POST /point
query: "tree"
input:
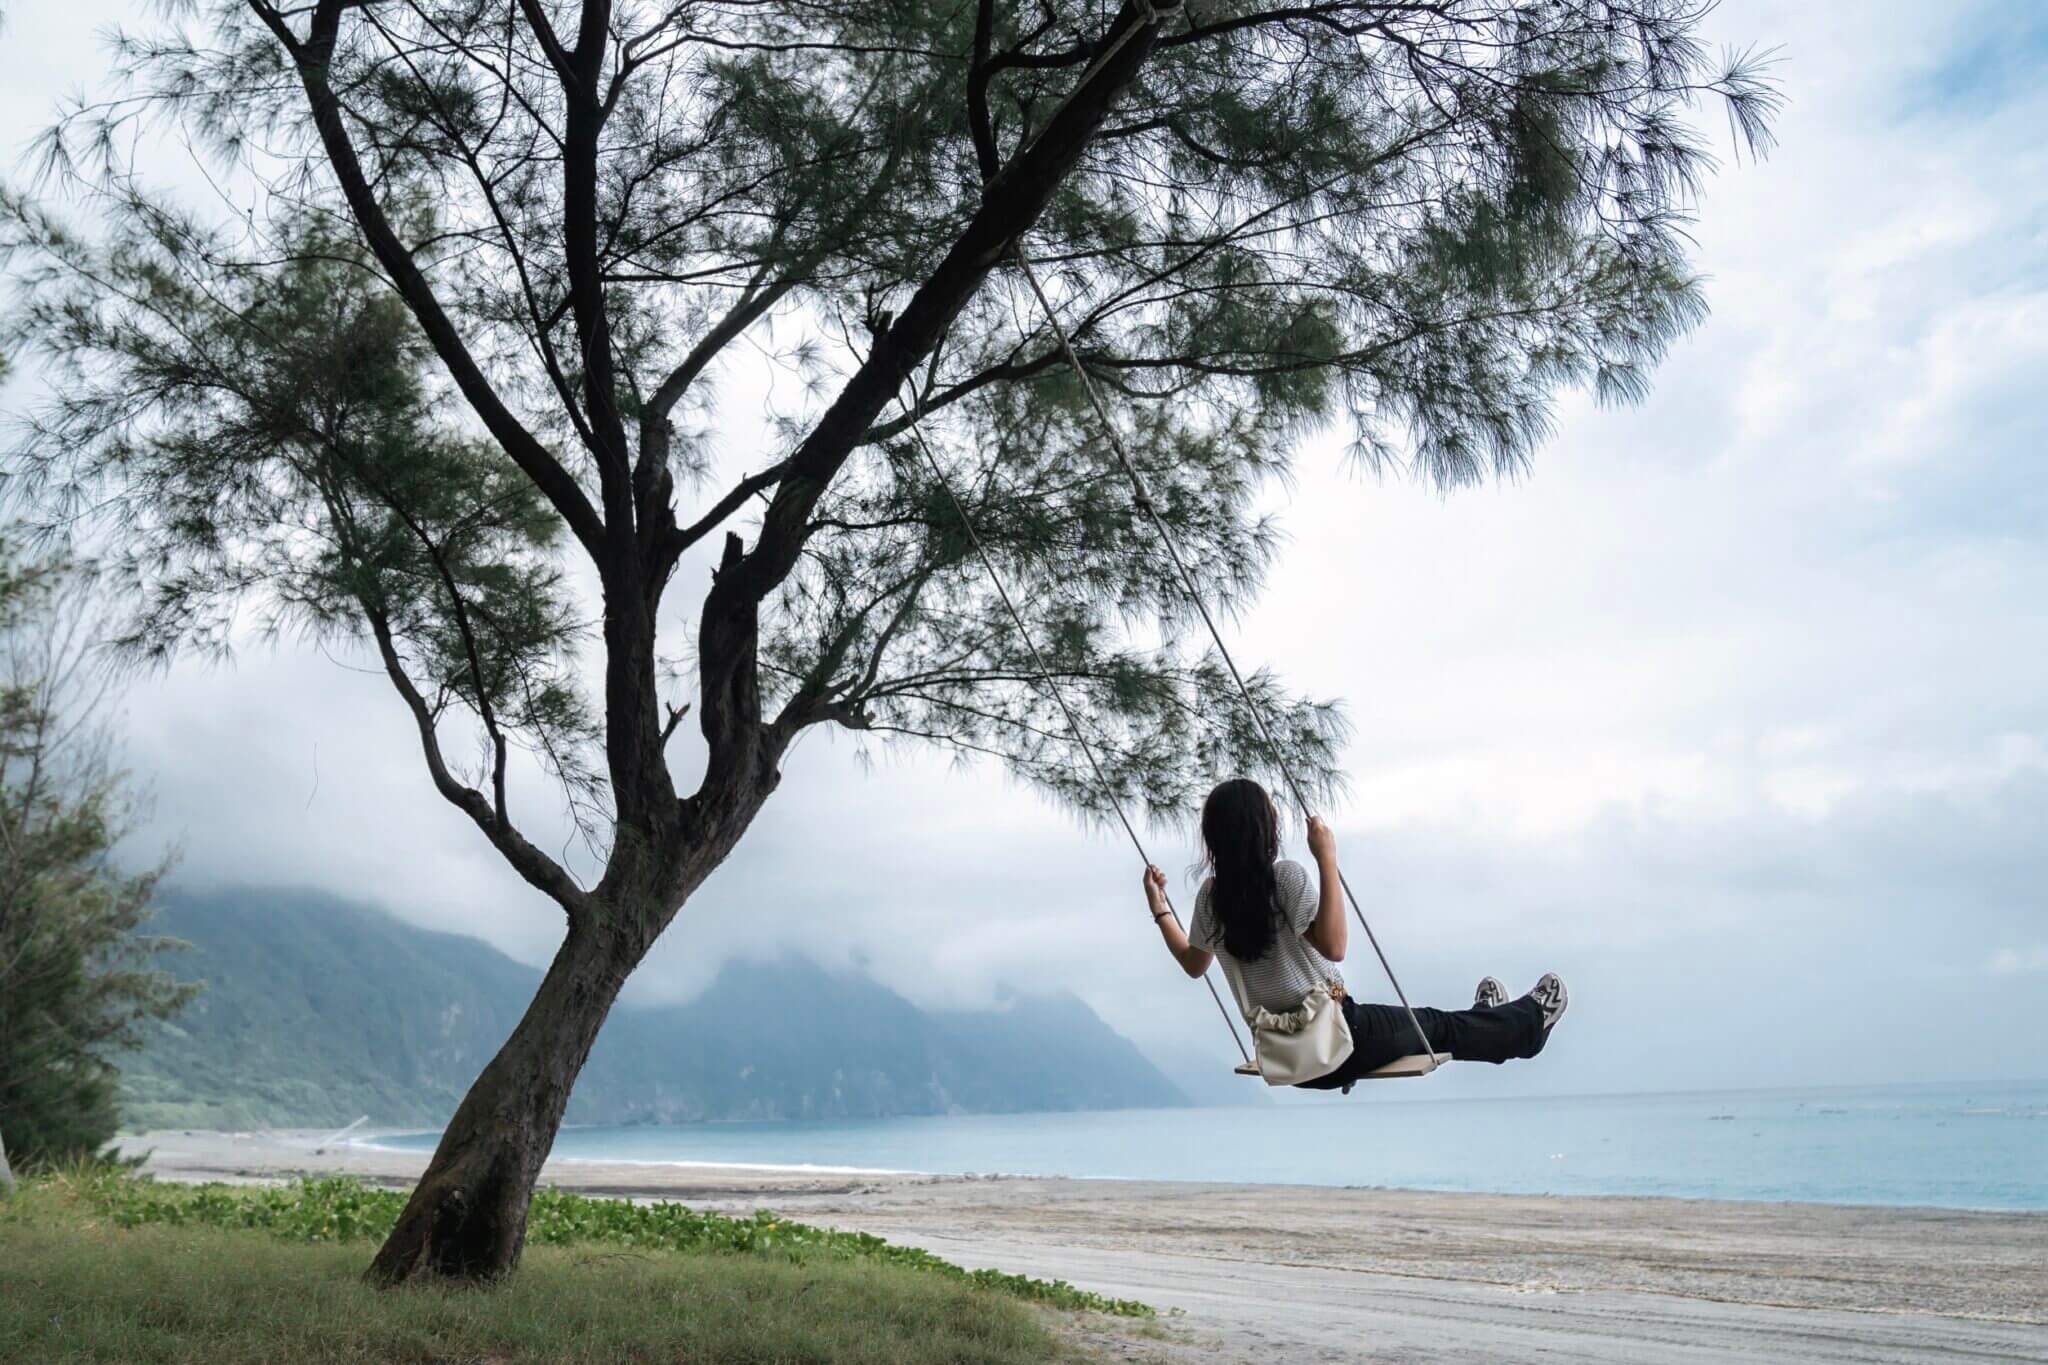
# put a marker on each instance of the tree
(6, 1171)
(76, 976)
(509, 252)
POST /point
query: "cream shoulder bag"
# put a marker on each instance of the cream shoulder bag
(1307, 1042)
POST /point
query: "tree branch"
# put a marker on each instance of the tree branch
(746, 488)
(582, 125)
(540, 871)
(742, 316)
(311, 58)
(979, 122)
(728, 632)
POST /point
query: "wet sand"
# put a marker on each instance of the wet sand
(1277, 1274)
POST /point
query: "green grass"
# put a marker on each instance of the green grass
(339, 1209)
(94, 1268)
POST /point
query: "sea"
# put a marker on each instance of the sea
(1951, 1145)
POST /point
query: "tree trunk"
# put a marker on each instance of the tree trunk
(6, 1174)
(467, 1217)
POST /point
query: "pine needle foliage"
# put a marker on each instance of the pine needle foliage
(1420, 222)
(78, 976)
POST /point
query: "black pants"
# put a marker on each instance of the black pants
(1381, 1033)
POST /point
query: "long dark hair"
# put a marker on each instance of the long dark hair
(1241, 838)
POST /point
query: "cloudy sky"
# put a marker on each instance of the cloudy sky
(1735, 711)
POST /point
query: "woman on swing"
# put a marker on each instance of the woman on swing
(1281, 931)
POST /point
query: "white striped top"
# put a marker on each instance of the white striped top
(1292, 967)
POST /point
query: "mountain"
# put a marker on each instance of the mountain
(317, 1011)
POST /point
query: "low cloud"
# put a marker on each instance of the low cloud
(2019, 961)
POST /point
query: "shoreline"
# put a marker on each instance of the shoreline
(790, 1168)
(1314, 1273)
(369, 1142)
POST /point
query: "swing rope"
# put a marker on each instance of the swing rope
(1143, 497)
(1146, 17)
(1052, 688)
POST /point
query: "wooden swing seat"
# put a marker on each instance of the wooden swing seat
(1415, 1064)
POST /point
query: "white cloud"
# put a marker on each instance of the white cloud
(2019, 961)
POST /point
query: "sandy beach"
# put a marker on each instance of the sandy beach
(1278, 1273)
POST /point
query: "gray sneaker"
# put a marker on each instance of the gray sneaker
(1550, 993)
(1491, 995)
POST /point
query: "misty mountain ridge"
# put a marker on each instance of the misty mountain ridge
(318, 1011)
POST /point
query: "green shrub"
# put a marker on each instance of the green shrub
(77, 1290)
(343, 1209)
